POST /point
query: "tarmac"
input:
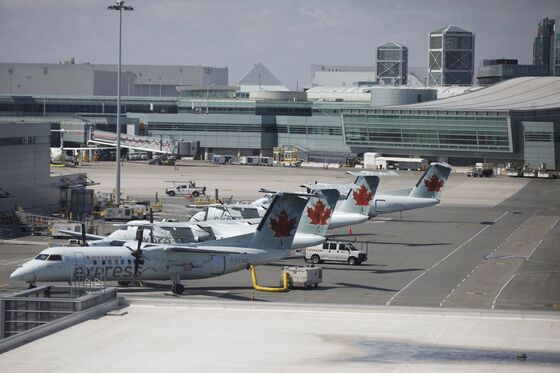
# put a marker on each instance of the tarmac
(488, 255)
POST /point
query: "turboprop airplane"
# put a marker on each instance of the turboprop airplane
(310, 231)
(353, 209)
(229, 212)
(137, 261)
(427, 191)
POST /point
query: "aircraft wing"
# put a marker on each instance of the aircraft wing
(372, 173)
(91, 237)
(211, 250)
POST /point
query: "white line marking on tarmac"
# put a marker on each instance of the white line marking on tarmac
(553, 225)
(441, 260)
(534, 248)
(481, 263)
(502, 289)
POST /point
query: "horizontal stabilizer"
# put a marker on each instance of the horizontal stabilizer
(373, 173)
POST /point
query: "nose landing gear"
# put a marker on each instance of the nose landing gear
(177, 289)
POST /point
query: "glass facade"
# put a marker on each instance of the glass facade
(441, 131)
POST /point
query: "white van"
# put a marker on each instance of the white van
(266, 161)
(249, 160)
(336, 251)
(222, 159)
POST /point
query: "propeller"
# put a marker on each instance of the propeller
(137, 254)
(84, 243)
(152, 228)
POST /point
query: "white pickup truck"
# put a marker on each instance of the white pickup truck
(336, 251)
(185, 189)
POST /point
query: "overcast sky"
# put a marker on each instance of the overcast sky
(287, 36)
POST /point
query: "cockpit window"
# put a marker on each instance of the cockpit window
(42, 256)
(55, 257)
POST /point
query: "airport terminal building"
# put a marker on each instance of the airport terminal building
(513, 121)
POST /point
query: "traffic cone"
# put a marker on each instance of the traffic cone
(350, 231)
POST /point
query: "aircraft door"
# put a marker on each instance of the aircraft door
(380, 205)
(218, 264)
(79, 268)
(80, 258)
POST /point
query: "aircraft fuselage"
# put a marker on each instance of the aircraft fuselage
(66, 264)
(385, 204)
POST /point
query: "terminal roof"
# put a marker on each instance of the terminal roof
(527, 93)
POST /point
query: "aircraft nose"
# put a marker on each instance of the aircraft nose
(22, 274)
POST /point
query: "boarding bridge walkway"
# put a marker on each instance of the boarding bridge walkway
(159, 145)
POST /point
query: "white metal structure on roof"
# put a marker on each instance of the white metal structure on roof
(527, 93)
(450, 28)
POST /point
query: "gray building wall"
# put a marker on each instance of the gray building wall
(541, 144)
(496, 73)
(25, 170)
(401, 96)
(61, 79)
(89, 79)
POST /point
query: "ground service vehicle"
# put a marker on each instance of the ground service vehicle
(185, 189)
(481, 170)
(335, 251)
(249, 160)
(303, 277)
(222, 159)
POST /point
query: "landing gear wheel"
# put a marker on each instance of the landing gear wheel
(178, 289)
(315, 259)
(31, 285)
(124, 283)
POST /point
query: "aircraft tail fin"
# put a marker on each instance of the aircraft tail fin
(431, 184)
(318, 212)
(278, 226)
(360, 196)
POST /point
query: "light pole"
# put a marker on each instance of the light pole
(45, 72)
(11, 72)
(120, 7)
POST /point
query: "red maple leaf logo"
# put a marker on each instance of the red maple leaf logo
(362, 196)
(434, 184)
(283, 225)
(318, 214)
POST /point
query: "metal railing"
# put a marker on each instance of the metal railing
(31, 308)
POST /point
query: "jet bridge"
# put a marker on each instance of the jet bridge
(161, 145)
